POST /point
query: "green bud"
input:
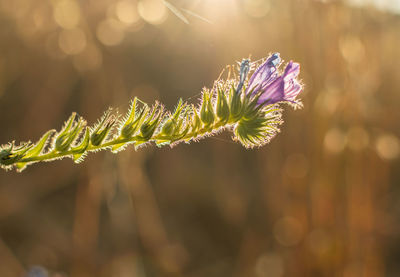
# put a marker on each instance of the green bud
(150, 125)
(168, 127)
(11, 156)
(195, 122)
(66, 137)
(83, 145)
(222, 107)
(98, 137)
(131, 126)
(102, 129)
(79, 150)
(206, 111)
(236, 106)
(179, 108)
(7, 158)
(180, 133)
(62, 142)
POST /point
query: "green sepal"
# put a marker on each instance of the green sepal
(36, 150)
(168, 127)
(183, 133)
(150, 125)
(131, 126)
(195, 122)
(222, 108)
(97, 138)
(174, 122)
(236, 106)
(79, 150)
(40, 145)
(206, 110)
(133, 120)
(102, 129)
(65, 139)
(258, 130)
(10, 156)
(132, 112)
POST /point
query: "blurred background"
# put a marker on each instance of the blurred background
(322, 199)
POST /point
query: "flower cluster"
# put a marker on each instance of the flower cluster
(275, 87)
(249, 107)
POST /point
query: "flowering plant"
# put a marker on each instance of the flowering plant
(247, 106)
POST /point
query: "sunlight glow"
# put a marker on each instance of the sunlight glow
(384, 5)
(152, 11)
(126, 11)
(257, 8)
(67, 14)
(388, 147)
(109, 32)
(72, 41)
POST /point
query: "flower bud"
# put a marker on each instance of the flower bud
(131, 126)
(206, 112)
(11, 156)
(62, 140)
(195, 121)
(236, 107)
(222, 107)
(149, 126)
(84, 143)
(98, 137)
(168, 127)
(244, 71)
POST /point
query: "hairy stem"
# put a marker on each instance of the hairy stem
(244, 107)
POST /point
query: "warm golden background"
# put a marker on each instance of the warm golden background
(322, 199)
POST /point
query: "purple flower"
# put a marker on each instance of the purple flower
(273, 86)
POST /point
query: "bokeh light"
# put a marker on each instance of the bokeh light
(72, 41)
(126, 11)
(152, 11)
(269, 265)
(357, 138)
(89, 59)
(352, 49)
(288, 231)
(388, 146)
(110, 32)
(67, 13)
(335, 140)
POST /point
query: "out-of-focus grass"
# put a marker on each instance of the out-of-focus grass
(320, 200)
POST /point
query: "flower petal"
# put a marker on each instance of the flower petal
(292, 89)
(283, 88)
(273, 92)
(292, 70)
(264, 74)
